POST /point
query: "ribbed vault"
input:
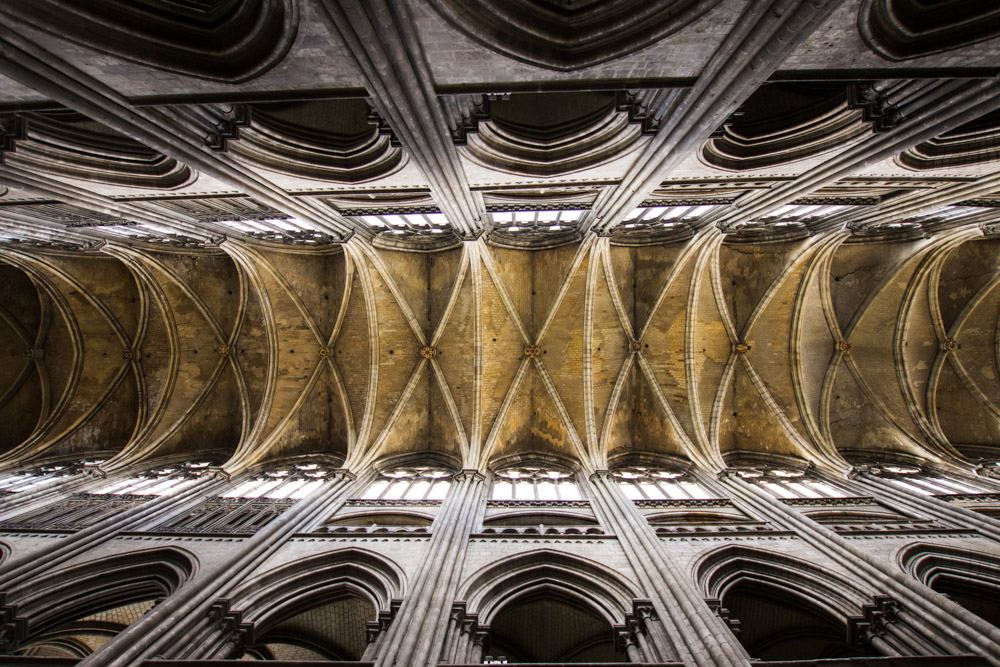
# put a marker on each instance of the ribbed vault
(709, 352)
(584, 232)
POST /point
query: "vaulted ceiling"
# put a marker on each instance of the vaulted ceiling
(718, 235)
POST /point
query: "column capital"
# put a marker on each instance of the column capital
(342, 474)
(875, 619)
(857, 471)
(469, 474)
(217, 472)
(625, 635)
(644, 610)
(989, 470)
(231, 623)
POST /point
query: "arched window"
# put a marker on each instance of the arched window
(320, 607)
(784, 608)
(786, 483)
(414, 483)
(969, 578)
(547, 626)
(74, 612)
(534, 483)
(334, 631)
(916, 479)
(552, 607)
(775, 625)
(252, 503)
(639, 483)
(84, 509)
(156, 482)
(27, 480)
(289, 482)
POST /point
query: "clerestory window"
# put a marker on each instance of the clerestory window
(786, 483)
(639, 483)
(156, 482)
(534, 483)
(252, 503)
(26, 480)
(290, 482)
(412, 483)
(917, 480)
(85, 509)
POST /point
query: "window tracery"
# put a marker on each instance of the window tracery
(640, 483)
(27, 480)
(412, 483)
(292, 482)
(416, 229)
(84, 509)
(156, 482)
(790, 484)
(534, 483)
(254, 502)
(916, 479)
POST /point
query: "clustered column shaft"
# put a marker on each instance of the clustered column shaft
(416, 637)
(693, 633)
(166, 626)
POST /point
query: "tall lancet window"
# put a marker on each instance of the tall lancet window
(534, 483)
(639, 483)
(410, 483)
(156, 482)
(787, 483)
(925, 482)
(290, 482)
(84, 509)
(33, 478)
(253, 502)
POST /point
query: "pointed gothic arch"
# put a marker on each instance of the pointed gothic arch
(787, 609)
(49, 607)
(969, 578)
(294, 605)
(518, 600)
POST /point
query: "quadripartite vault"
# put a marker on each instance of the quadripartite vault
(710, 352)
(423, 333)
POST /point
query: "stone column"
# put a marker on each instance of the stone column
(457, 639)
(685, 629)
(417, 637)
(221, 633)
(642, 633)
(171, 625)
(382, 38)
(938, 624)
(879, 626)
(466, 641)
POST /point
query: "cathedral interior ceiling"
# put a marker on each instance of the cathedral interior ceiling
(374, 230)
